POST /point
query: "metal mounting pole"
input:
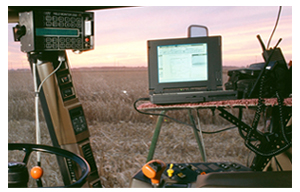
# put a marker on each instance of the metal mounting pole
(198, 139)
(155, 136)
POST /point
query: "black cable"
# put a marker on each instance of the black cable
(282, 126)
(158, 114)
(219, 131)
(278, 164)
(278, 16)
(176, 120)
(283, 132)
(260, 104)
(261, 80)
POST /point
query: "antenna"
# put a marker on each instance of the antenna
(278, 16)
(261, 43)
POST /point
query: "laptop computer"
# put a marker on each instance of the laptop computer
(186, 70)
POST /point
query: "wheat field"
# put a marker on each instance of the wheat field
(120, 136)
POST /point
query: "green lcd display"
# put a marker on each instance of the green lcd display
(56, 32)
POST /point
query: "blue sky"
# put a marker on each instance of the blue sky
(121, 34)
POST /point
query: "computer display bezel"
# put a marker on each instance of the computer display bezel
(214, 60)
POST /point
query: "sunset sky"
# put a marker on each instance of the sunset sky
(121, 34)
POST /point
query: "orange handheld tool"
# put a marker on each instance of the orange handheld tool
(153, 170)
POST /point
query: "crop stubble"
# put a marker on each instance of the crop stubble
(120, 136)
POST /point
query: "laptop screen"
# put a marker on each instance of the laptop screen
(182, 63)
(185, 64)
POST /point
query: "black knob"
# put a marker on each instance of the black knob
(17, 175)
(18, 32)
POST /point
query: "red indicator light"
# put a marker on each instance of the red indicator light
(87, 39)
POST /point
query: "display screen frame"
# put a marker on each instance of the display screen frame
(214, 64)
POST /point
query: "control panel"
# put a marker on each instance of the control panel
(65, 83)
(183, 175)
(55, 31)
(65, 116)
(78, 120)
